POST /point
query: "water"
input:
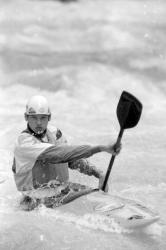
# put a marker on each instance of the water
(81, 56)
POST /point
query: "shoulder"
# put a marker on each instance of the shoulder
(24, 139)
(52, 129)
(55, 131)
(58, 135)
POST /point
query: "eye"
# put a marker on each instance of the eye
(33, 117)
(43, 117)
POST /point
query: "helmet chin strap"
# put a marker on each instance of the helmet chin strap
(39, 135)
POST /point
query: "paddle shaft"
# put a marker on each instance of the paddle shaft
(112, 160)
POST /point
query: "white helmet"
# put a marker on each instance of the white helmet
(37, 105)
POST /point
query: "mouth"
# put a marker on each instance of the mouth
(39, 130)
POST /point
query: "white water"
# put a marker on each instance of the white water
(81, 56)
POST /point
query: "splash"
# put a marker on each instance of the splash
(94, 222)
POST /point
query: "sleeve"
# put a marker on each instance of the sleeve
(29, 147)
(84, 166)
(66, 153)
(27, 150)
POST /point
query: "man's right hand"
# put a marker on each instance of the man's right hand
(112, 149)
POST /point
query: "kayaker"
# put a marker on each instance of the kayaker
(42, 154)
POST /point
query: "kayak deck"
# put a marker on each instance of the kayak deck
(81, 200)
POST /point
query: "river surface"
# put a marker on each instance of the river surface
(81, 55)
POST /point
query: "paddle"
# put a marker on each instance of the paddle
(128, 112)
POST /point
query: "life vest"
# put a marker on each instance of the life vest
(42, 171)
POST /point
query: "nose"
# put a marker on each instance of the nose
(38, 121)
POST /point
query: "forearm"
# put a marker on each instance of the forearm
(66, 153)
(85, 167)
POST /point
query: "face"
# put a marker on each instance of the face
(38, 123)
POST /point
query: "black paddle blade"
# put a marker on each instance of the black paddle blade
(129, 110)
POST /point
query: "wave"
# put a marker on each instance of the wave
(53, 47)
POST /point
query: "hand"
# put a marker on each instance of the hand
(101, 182)
(117, 148)
(112, 149)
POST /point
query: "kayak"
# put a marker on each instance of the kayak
(81, 200)
(126, 213)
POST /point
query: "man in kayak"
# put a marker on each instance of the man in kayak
(42, 156)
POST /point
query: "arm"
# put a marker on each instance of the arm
(65, 153)
(29, 149)
(85, 167)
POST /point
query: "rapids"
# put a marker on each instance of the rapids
(81, 55)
